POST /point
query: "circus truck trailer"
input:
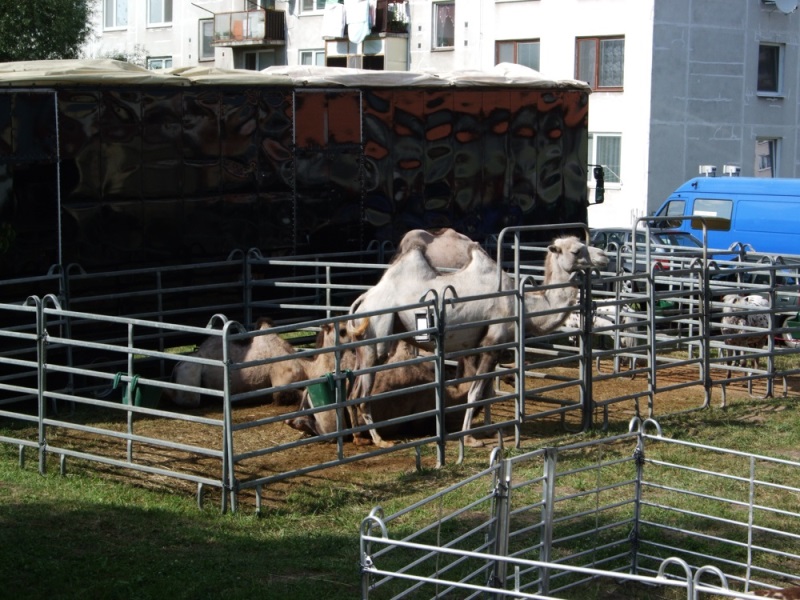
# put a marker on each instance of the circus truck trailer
(110, 166)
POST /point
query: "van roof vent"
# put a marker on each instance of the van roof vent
(708, 170)
(731, 170)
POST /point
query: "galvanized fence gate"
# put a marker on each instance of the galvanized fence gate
(637, 507)
(86, 360)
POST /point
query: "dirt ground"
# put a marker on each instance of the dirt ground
(535, 433)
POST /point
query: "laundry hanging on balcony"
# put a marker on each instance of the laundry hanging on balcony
(333, 20)
(357, 16)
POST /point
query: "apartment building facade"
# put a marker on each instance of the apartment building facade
(676, 83)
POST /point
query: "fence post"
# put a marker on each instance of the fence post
(437, 311)
(501, 511)
(40, 377)
(548, 511)
(228, 471)
(586, 359)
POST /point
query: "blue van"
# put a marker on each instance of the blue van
(764, 213)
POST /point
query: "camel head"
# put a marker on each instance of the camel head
(569, 255)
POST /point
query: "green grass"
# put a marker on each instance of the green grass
(85, 535)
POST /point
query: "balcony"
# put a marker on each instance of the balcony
(257, 27)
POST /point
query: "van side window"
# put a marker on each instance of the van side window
(706, 207)
(674, 208)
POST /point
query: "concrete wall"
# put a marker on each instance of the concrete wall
(705, 109)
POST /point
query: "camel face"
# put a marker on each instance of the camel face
(571, 255)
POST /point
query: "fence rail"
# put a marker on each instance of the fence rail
(658, 332)
(548, 522)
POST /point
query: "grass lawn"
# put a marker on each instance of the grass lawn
(85, 535)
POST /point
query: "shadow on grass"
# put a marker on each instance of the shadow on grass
(88, 550)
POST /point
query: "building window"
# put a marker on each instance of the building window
(766, 157)
(444, 24)
(770, 63)
(312, 57)
(600, 62)
(258, 60)
(521, 53)
(312, 5)
(159, 62)
(159, 12)
(206, 37)
(115, 13)
(605, 149)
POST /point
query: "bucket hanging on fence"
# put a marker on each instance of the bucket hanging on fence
(134, 394)
(323, 394)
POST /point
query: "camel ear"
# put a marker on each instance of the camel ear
(553, 248)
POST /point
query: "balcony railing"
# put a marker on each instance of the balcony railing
(250, 27)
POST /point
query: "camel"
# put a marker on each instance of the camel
(261, 376)
(402, 377)
(411, 276)
(739, 324)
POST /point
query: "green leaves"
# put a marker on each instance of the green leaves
(43, 29)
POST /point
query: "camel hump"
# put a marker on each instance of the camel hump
(264, 323)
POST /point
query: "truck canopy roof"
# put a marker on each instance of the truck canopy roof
(52, 73)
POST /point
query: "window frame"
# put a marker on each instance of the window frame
(713, 207)
(515, 50)
(319, 6)
(163, 6)
(598, 62)
(152, 59)
(435, 28)
(201, 37)
(779, 69)
(612, 178)
(112, 4)
(257, 53)
(315, 54)
(774, 154)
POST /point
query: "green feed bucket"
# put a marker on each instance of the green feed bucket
(794, 327)
(324, 393)
(134, 394)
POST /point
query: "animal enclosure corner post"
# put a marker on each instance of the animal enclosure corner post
(587, 407)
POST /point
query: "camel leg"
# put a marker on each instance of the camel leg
(476, 390)
(363, 413)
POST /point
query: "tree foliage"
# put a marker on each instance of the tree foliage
(43, 29)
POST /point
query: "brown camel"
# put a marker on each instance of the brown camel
(256, 377)
(411, 402)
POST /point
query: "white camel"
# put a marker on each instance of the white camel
(411, 276)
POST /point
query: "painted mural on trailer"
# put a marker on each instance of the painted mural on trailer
(111, 167)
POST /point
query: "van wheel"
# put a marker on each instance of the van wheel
(789, 339)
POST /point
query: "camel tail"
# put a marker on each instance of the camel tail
(357, 332)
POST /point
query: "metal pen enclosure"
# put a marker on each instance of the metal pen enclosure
(109, 166)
